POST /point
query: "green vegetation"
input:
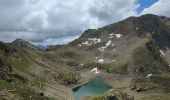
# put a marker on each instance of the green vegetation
(158, 82)
(163, 80)
(147, 60)
(114, 95)
(11, 91)
(108, 67)
(27, 71)
(160, 96)
(67, 78)
(98, 98)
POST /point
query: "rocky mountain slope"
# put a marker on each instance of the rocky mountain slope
(120, 42)
(146, 26)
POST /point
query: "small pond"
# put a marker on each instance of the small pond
(94, 87)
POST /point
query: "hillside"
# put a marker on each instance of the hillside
(49, 73)
(118, 43)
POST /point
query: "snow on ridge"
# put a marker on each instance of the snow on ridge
(90, 41)
(111, 35)
(107, 45)
(95, 40)
(86, 43)
(118, 35)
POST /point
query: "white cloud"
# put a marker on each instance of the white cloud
(52, 41)
(41, 20)
(160, 8)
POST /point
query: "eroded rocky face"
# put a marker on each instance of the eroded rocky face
(5, 70)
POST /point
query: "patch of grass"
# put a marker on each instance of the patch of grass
(114, 95)
(163, 80)
(160, 96)
(160, 82)
(146, 62)
(6, 85)
(109, 67)
(98, 98)
(23, 92)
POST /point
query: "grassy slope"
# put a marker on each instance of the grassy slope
(145, 59)
(52, 71)
(46, 71)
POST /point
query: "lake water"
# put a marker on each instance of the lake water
(94, 87)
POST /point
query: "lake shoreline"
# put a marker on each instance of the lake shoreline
(85, 77)
(94, 87)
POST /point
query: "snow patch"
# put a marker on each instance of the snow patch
(91, 41)
(114, 60)
(95, 40)
(118, 35)
(107, 45)
(87, 43)
(101, 48)
(79, 45)
(162, 52)
(111, 36)
(113, 45)
(137, 28)
(95, 70)
(149, 75)
(114, 49)
(101, 60)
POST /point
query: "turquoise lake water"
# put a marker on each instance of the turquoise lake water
(94, 87)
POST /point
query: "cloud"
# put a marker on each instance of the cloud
(160, 8)
(54, 41)
(41, 20)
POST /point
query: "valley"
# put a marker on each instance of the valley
(131, 56)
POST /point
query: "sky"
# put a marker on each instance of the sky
(51, 22)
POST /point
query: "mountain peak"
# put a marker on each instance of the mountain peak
(145, 26)
(19, 40)
(23, 43)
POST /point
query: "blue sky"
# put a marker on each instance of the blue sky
(144, 4)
